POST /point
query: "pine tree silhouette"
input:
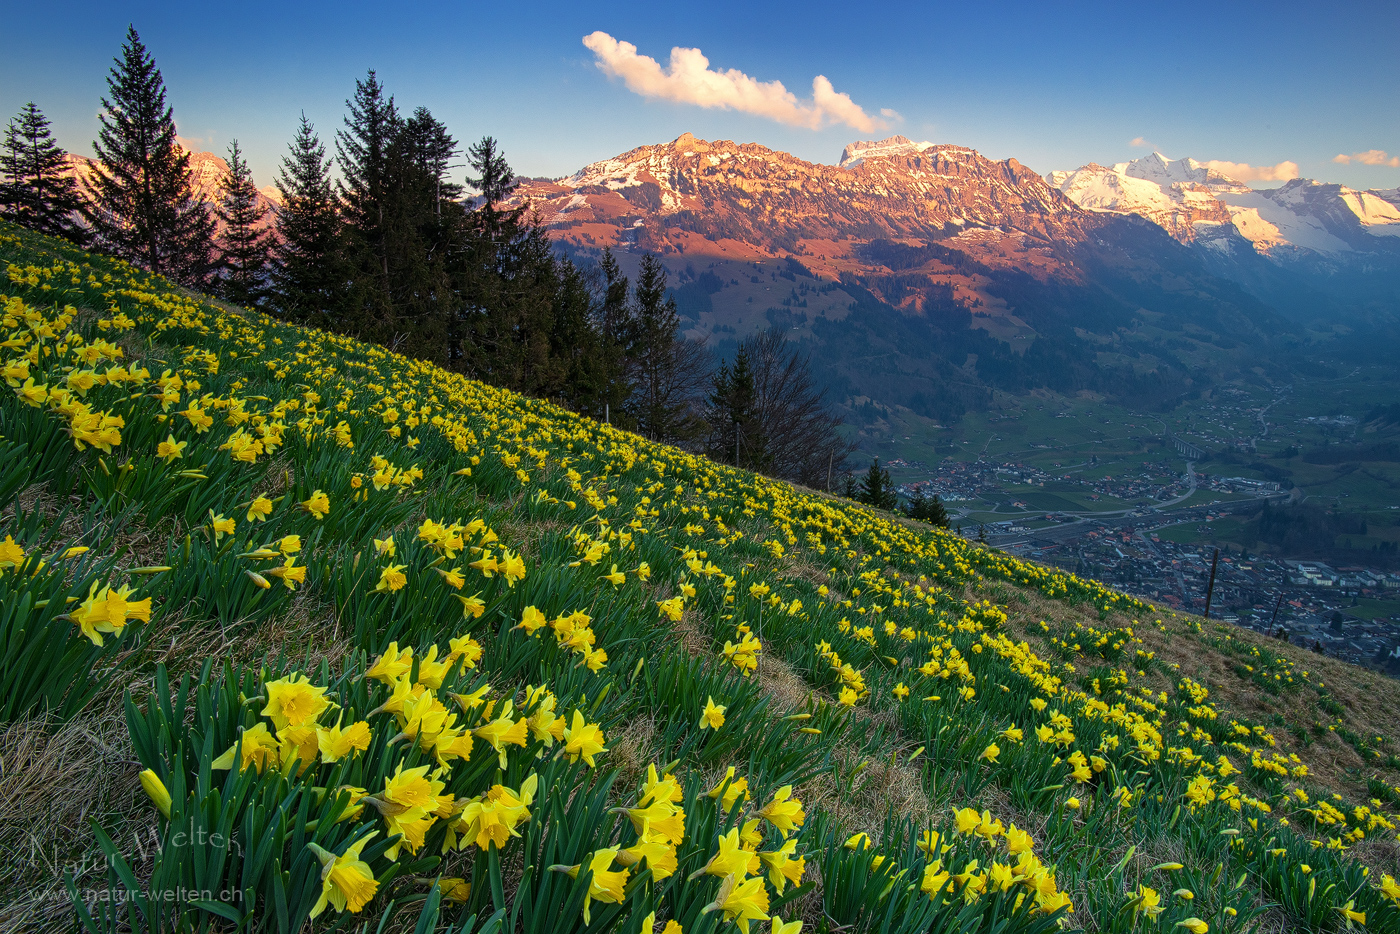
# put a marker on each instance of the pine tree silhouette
(308, 275)
(243, 252)
(34, 191)
(144, 208)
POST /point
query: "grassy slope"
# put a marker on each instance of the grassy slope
(840, 561)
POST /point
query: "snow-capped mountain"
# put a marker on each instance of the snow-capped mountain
(207, 171)
(720, 190)
(916, 273)
(1192, 201)
(1179, 195)
(857, 152)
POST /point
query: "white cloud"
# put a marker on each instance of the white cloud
(1369, 157)
(689, 80)
(1140, 142)
(1244, 172)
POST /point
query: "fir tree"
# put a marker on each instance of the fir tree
(928, 509)
(34, 191)
(431, 148)
(575, 344)
(144, 209)
(668, 371)
(309, 279)
(736, 433)
(613, 321)
(506, 270)
(876, 488)
(936, 513)
(496, 182)
(363, 150)
(243, 252)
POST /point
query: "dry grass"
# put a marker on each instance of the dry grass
(53, 783)
(55, 779)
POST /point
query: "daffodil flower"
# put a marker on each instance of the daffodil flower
(347, 881)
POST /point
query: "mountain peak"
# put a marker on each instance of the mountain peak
(857, 152)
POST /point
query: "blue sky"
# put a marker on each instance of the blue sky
(1055, 88)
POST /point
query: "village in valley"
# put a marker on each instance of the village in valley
(1148, 512)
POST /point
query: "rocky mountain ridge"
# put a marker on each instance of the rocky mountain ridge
(1191, 201)
(207, 170)
(918, 274)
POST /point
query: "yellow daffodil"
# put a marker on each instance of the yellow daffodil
(713, 716)
(170, 449)
(155, 789)
(347, 882)
(583, 740)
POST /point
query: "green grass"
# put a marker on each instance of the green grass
(1370, 608)
(902, 680)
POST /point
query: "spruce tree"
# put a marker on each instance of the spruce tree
(308, 277)
(363, 152)
(243, 251)
(613, 321)
(34, 189)
(574, 344)
(144, 208)
(430, 149)
(736, 431)
(496, 182)
(936, 513)
(667, 371)
(506, 270)
(928, 509)
(876, 489)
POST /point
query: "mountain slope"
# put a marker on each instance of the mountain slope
(644, 704)
(920, 275)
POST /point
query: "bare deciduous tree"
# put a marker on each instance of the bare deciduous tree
(797, 433)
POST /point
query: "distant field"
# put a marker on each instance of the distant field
(1375, 609)
(1224, 531)
(1049, 502)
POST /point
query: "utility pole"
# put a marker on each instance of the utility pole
(1210, 587)
(1274, 618)
(829, 458)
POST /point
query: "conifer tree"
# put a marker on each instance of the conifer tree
(615, 327)
(936, 513)
(144, 208)
(927, 509)
(506, 270)
(574, 343)
(736, 432)
(876, 488)
(423, 227)
(243, 251)
(431, 148)
(496, 182)
(309, 279)
(363, 152)
(34, 190)
(668, 371)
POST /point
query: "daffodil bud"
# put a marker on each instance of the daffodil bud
(157, 792)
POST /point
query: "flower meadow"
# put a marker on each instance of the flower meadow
(567, 680)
